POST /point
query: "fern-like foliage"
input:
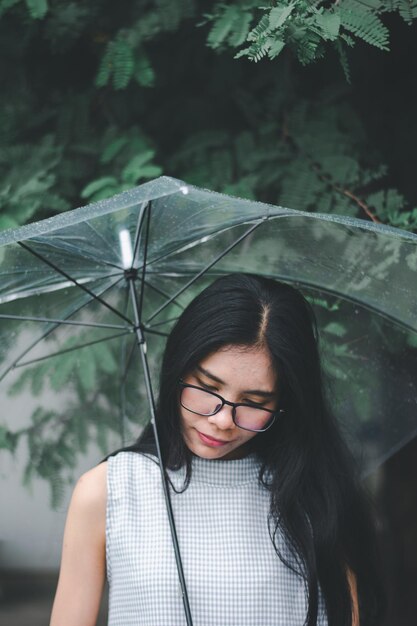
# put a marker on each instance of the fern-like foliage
(389, 205)
(304, 27)
(363, 23)
(125, 161)
(317, 165)
(65, 23)
(125, 57)
(96, 100)
(231, 26)
(91, 379)
(37, 8)
(406, 8)
(144, 73)
(117, 64)
(5, 5)
(30, 185)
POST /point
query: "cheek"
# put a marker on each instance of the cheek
(186, 418)
(247, 435)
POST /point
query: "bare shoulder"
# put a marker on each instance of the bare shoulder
(94, 481)
(90, 492)
(83, 561)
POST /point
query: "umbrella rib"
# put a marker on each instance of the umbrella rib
(155, 332)
(345, 298)
(205, 269)
(139, 230)
(171, 319)
(166, 255)
(122, 397)
(163, 256)
(145, 256)
(27, 318)
(163, 293)
(100, 236)
(49, 331)
(127, 363)
(75, 281)
(124, 365)
(83, 253)
(66, 350)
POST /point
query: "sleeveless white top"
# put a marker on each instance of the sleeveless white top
(233, 574)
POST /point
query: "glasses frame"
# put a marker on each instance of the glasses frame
(234, 406)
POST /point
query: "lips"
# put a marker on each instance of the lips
(213, 438)
(211, 441)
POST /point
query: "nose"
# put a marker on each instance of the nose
(223, 420)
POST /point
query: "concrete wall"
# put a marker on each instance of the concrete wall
(30, 531)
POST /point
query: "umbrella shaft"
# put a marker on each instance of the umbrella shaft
(148, 384)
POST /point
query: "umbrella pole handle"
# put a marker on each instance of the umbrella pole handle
(149, 391)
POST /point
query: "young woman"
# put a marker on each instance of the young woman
(272, 525)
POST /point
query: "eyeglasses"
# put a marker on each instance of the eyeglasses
(207, 403)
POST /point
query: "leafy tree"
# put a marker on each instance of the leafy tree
(262, 100)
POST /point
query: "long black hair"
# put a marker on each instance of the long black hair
(316, 496)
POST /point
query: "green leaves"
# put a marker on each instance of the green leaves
(8, 439)
(329, 25)
(231, 26)
(265, 36)
(117, 64)
(125, 58)
(391, 207)
(296, 24)
(406, 8)
(335, 328)
(28, 183)
(5, 5)
(140, 167)
(100, 188)
(37, 8)
(302, 27)
(71, 366)
(96, 102)
(131, 156)
(144, 73)
(364, 23)
(279, 15)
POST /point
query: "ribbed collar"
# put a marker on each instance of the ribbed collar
(220, 473)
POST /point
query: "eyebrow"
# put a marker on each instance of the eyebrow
(255, 392)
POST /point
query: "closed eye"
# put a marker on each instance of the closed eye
(254, 404)
(205, 386)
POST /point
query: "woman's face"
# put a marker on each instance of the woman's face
(238, 374)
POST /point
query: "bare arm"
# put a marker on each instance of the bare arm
(83, 564)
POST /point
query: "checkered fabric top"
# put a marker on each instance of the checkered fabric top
(233, 574)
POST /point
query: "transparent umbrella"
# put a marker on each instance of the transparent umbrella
(81, 292)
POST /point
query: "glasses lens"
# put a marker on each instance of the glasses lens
(199, 401)
(253, 418)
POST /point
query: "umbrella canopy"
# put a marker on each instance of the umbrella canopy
(64, 287)
(80, 291)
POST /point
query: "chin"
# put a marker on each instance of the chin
(205, 452)
(208, 453)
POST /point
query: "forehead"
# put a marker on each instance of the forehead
(241, 366)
